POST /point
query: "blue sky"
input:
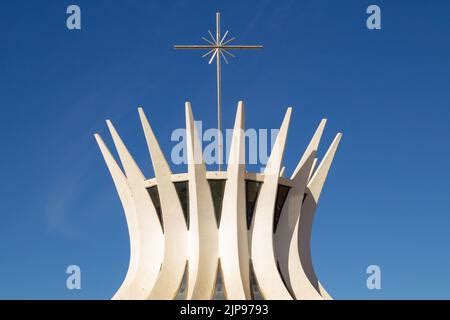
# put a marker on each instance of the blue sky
(386, 201)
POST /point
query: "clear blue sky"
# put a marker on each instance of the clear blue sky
(386, 201)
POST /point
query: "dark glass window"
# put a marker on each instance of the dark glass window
(182, 188)
(251, 194)
(254, 287)
(219, 292)
(304, 198)
(217, 188)
(182, 291)
(154, 195)
(282, 193)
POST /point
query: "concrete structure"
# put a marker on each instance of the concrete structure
(248, 233)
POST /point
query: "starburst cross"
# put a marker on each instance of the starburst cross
(218, 48)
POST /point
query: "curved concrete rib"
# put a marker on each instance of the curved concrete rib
(174, 225)
(312, 147)
(233, 234)
(262, 248)
(284, 236)
(301, 269)
(124, 192)
(150, 246)
(203, 237)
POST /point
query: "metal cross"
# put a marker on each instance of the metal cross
(218, 48)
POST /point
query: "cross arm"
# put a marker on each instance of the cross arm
(240, 47)
(204, 47)
(193, 47)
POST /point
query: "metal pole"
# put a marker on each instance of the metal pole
(219, 94)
